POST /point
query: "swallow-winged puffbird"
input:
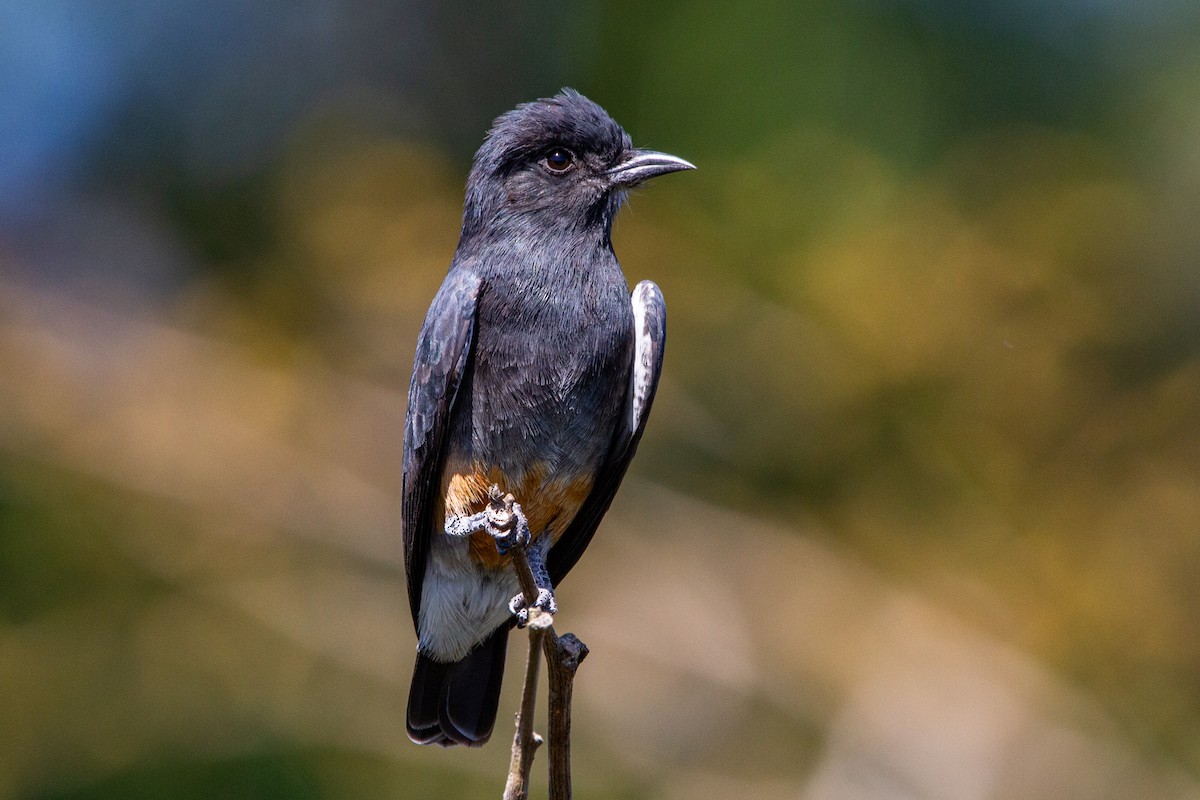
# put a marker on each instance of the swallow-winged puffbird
(535, 371)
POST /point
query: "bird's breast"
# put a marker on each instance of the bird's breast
(539, 409)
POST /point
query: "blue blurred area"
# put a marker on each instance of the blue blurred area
(58, 83)
(230, 79)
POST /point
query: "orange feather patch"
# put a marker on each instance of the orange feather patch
(550, 503)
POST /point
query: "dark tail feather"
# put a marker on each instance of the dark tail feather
(456, 703)
(424, 700)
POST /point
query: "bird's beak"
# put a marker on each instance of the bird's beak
(642, 165)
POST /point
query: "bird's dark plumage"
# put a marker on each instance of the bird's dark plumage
(535, 371)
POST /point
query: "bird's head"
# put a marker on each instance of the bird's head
(556, 163)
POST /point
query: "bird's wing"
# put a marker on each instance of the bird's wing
(650, 333)
(443, 357)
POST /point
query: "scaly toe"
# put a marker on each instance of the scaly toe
(545, 601)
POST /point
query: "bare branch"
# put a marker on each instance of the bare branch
(568, 652)
(563, 657)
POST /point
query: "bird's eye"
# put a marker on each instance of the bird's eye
(559, 159)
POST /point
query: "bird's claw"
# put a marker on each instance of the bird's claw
(517, 537)
(506, 520)
(543, 607)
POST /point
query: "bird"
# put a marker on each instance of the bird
(535, 371)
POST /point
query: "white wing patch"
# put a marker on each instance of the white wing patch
(647, 303)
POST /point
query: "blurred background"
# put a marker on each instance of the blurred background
(917, 513)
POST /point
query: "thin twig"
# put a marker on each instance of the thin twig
(525, 741)
(525, 576)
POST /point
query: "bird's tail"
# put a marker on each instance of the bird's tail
(455, 703)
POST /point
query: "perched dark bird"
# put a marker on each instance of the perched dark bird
(535, 372)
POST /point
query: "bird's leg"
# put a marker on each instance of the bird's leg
(505, 515)
(465, 526)
(545, 589)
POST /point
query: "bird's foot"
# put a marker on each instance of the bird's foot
(537, 615)
(506, 522)
(502, 519)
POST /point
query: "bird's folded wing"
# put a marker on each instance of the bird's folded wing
(442, 358)
(650, 333)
